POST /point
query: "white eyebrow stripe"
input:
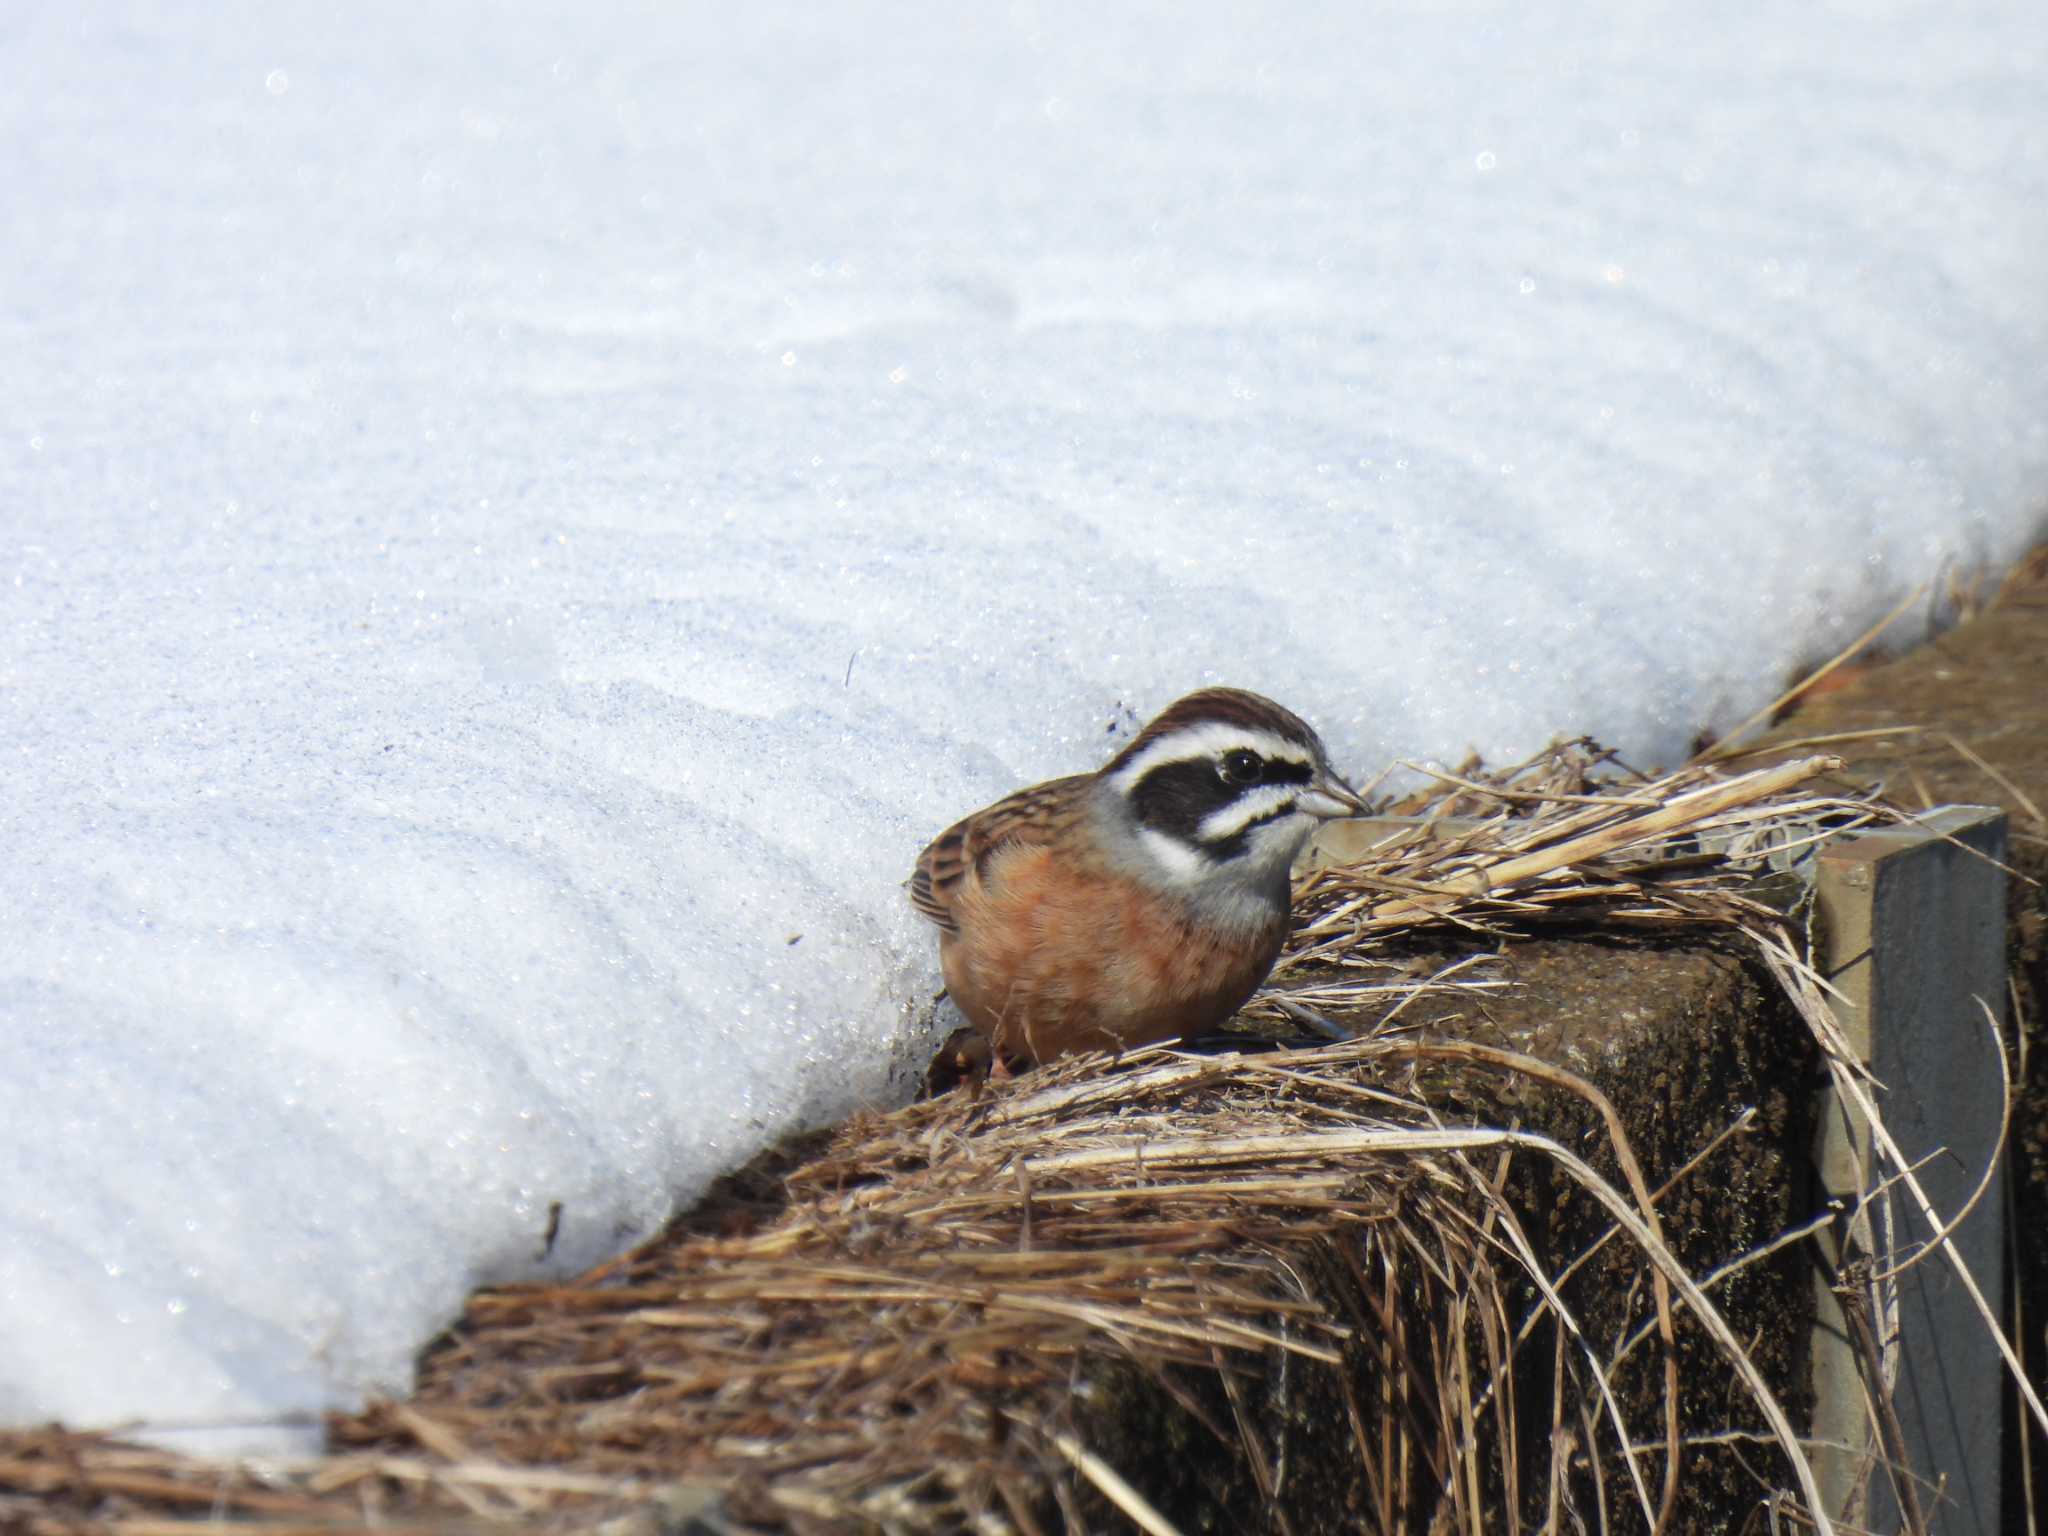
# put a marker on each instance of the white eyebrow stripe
(1211, 739)
(1253, 805)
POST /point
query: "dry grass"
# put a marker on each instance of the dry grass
(930, 1323)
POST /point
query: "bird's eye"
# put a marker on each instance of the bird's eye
(1242, 767)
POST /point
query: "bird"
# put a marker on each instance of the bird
(1138, 903)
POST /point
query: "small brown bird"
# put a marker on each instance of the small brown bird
(1144, 901)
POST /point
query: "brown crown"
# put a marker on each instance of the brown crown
(1229, 706)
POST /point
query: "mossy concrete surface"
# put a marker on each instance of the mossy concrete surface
(1685, 1040)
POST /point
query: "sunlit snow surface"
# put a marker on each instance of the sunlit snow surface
(508, 520)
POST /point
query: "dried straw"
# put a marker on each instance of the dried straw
(930, 1324)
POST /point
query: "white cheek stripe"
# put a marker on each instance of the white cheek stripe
(1251, 806)
(1210, 740)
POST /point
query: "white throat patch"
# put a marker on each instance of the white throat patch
(1184, 867)
(1235, 896)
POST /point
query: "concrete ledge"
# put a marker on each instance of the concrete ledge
(1683, 1037)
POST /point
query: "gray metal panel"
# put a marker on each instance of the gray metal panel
(1914, 937)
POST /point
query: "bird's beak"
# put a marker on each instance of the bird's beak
(1329, 797)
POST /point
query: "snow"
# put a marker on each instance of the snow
(517, 523)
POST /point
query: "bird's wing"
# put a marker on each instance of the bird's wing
(1028, 818)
